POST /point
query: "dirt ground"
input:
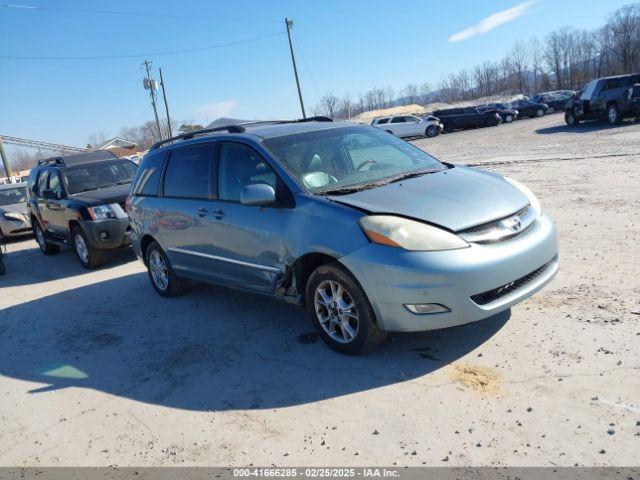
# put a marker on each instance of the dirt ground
(96, 369)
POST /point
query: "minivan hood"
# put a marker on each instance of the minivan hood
(457, 198)
(115, 194)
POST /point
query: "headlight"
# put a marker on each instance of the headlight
(533, 201)
(409, 234)
(14, 216)
(101, 212)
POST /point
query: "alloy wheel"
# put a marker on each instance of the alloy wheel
(40, 238)
(336, 311)
(158, 269)
(81, 248)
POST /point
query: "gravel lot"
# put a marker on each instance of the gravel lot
(96, 369)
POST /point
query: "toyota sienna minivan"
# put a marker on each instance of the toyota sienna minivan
(365, 231)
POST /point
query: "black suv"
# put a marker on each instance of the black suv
(80, 199)
(607, 98)
(556, 100)
(467, 117)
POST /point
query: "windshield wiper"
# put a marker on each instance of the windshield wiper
(404, 176)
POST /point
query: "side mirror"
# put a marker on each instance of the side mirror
(50, 195)
(258, 195)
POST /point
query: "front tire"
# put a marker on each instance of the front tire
(431, 131)
(570, 118)
(46, 247)
(508, 118)
(613, 115)
(163, 278)
(340, 311)
(88, 256)
(539, 112)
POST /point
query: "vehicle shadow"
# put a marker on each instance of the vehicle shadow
(210, 349)
(585, 127)
(28, 265)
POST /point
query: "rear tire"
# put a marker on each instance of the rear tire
(46, 247)
(508, 118)
(161, 274)
(613, 115)
(88, 256)
(539, 112)
(340, 311)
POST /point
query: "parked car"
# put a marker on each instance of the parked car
(408, 125)
(606, 98)
(466, 117)
(14, 220)
(556, 100)
(527, 108)
(79, 199)
(366, 231)
(507, 115)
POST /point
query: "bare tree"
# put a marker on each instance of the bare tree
(410, 94)
(425, 93)
(536, 58)
(329, 104)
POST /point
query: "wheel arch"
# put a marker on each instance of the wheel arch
(145, 241)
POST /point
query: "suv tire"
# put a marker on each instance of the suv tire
(540, 113)
(46, 247)
(613, 115)
(161, 274)
(570, 118)
(88, 256)
(352, 330)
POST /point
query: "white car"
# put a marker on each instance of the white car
(409, 125)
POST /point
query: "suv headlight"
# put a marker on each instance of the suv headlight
(101, 212)
(408, 234)
(533, 201)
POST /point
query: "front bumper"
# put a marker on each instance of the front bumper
(393, 277)
(107, 234)
(15, 228)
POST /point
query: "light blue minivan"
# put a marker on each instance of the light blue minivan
(367, 232)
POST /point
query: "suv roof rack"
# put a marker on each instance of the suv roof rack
(87, 157)
(236, 128)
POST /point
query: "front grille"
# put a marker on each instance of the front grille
(501, 229)
(492, 295)
(487, 226)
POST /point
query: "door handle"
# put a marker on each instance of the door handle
(218, 214)
(202, 212)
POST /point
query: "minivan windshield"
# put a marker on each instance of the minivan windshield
(346, 159)
(11, 196)
(93, 176)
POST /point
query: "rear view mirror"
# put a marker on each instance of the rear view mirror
(258, 195)
(50, 195)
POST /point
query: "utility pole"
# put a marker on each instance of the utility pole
(289, 23)
(166, 105)
(150, 84)
(5, 160)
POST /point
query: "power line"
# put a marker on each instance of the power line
(141, 55)
(139, 14)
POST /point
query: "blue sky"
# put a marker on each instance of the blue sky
(342, 46)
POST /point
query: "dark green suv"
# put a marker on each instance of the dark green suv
(80, 200)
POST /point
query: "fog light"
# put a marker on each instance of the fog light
(104, 235)
(425, 308)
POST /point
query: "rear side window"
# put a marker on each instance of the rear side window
(148, 179)
(398, 120)
(188, 173)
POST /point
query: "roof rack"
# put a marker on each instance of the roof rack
(235, 128)
(85, 157)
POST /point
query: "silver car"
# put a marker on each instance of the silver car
(409, 125)
(369, 233)
(14, 220)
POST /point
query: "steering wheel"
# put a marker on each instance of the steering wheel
(366, 162)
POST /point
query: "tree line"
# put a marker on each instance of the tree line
(566, 58)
